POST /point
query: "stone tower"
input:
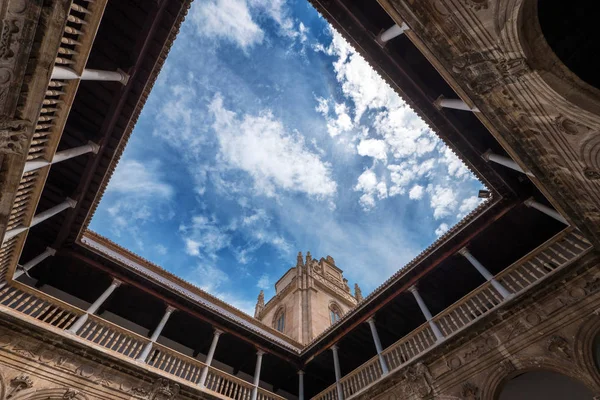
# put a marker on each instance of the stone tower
(308, 298)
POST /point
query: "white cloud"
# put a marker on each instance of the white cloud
(371, 187)
(161, 249)
(416, 193)
(142, 179)
(402, 175)
(264, 282)
(372, 148)
(139, 194)
(468, 205)
(205, 237)
(456, 167)
(443, 200)
(227, 19)
(443, 228)
(274, 158)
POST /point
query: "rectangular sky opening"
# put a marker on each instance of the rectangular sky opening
(267, 134)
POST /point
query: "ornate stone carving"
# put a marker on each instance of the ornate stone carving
(164, 389)
(592, 286)
(470, 391)
(477, 4)
(418, 380)
(13, 136)
(591, 174)
(560, 346)
(18, 383)
(506, 367)
(9, 30)
(569, 127)
(71, 394)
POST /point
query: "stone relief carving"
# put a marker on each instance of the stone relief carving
(477, 4)
(164, 389)
(19, 383)
(470, 391)
(559, 346)
(418, 380)
(69, 363)
(13, 136)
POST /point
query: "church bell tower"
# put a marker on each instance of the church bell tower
(308, 298)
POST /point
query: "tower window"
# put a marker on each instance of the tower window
(280, 321)
(334, 313)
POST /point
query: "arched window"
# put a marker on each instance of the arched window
(334, 313)
(279, 320)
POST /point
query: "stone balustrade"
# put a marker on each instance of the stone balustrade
(522, 275)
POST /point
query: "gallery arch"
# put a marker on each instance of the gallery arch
(544, 385)
(570, 30)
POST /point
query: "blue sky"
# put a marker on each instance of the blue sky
(266, 135)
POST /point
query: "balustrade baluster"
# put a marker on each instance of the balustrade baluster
(124, 345)
(102, 335)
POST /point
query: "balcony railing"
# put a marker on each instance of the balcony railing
(46, 310)
(528, 271)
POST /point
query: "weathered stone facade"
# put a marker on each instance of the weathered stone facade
(495, 56)
(550, 328)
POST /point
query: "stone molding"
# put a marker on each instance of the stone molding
(552, 328)
(545, 117)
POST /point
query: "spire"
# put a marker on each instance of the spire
(260, 304)
(357, 293)
(308, 258)
(300, 262)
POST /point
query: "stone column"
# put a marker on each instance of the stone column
(456, 104)
(144, 354)
(35, 261)
(392, 32)
(338, 373)
(209, 356)
(300, 385)
(62, 156)
(94, 307)
(505, 161)
(90, 75)
(546, 210)
(371, 322)
(41, 217)
(436, 330)
(485, 273)
(256, 382)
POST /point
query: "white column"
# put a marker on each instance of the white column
(62, 156)
(456, 104)
(436, 330)
(68, 203)
(259, 355)
(507, 162)
(485, 273)
(94, 307)
(156, 334)
(384, 368)
(35, 261)
(90, 75)
(338, 373)
(300, 385)
(546, 210)
(209, 356)
(392, 32)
